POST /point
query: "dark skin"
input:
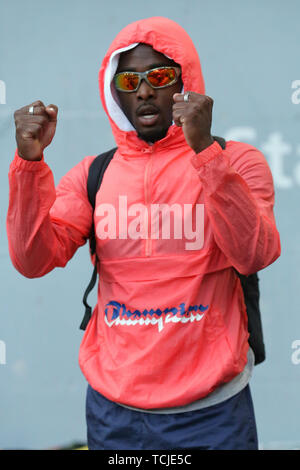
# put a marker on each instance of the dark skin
(140, 59)
(193, 116)
(35, 132)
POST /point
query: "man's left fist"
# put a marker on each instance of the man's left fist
(194, 116)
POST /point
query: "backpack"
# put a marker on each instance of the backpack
(250, 284)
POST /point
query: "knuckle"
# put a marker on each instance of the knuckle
(198, 107)
(38, 103)
(18, 114)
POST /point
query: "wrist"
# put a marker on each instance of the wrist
(20, 163)
(203, 144)
(28, 158)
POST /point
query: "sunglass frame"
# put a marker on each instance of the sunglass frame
(143, 76)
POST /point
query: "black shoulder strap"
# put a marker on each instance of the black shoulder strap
(95, 176)
(250, 285)
(220, 141)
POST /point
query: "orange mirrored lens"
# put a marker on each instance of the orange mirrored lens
(127, 81)
(161, 77)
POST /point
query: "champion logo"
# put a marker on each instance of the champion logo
(118, 314)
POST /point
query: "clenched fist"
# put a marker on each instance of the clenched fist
(34, 132)
(195, 117)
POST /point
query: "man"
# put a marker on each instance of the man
(166, 352)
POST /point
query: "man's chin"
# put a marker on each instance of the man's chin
(152, 135)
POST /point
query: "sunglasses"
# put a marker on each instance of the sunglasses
(160, 77)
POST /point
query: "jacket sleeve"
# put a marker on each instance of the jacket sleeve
(45, 226)
(239, 200)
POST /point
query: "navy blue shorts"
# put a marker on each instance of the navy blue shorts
(229, 425)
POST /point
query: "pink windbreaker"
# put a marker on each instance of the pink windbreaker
(170, 323)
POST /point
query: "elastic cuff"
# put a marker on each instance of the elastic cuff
(206, 155)
(19, 163)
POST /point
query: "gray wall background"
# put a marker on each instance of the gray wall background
(52, 51)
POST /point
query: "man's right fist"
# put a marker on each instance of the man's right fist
(35, 131)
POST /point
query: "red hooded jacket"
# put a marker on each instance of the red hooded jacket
(170, 324)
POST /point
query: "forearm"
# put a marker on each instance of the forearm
(37, 242)
(241, 216)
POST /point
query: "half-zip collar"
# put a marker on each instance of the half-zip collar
(131, 146)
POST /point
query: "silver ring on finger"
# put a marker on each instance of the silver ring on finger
(31, 110)
(186, 96)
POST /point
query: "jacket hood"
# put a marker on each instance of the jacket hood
(165, 36)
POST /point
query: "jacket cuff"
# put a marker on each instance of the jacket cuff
(19, 163)
(206, 155)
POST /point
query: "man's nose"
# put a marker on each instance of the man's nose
(145, 91)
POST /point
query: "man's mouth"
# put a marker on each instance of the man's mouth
(147, 115)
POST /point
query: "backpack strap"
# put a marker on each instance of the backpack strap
(250, 286)
(220, 140)
(95, 176)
